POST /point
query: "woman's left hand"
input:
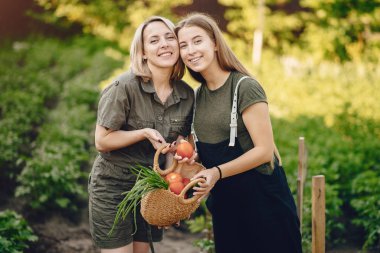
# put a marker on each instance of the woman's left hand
(171, 148)
(211, 176)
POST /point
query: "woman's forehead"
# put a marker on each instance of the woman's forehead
(156, 28)
(189, 32)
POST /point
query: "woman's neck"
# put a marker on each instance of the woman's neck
(215, 78)
(161, 78)
(161, 83)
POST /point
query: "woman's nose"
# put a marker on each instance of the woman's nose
(190, 49)
(164, 43)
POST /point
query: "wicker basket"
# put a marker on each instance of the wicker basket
(162, 207)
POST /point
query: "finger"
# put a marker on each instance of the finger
(184, 160)
(174, 145)
(166, 150)
(197, 176)
(195, 155)
(203, 184)
(199, 191)
(177, 157)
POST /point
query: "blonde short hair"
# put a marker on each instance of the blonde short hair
(139, 66)
(226, 58)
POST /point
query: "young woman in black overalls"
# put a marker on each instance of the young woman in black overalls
(250, 201)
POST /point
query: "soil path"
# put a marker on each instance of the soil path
(58, 235)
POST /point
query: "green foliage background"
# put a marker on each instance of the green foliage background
(320, 70)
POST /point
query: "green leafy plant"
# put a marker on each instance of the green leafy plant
(203, 224)
(62, 150)
(15, 234)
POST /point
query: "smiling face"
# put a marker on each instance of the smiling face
(197, 49)
(160, 46)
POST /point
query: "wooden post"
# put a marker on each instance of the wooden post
(258, 34)
(318, 214)
(302, 171)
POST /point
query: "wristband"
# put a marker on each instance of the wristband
(220, 172)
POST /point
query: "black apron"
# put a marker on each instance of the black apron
(251, 212)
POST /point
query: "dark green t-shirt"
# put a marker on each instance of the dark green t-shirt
(213, 112)
(130, 104)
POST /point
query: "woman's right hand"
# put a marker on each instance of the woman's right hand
(190, 160)
(154, 137)
(211, 176)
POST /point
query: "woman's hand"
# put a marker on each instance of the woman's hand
(190, 160)
(154, 137)
(211, 176)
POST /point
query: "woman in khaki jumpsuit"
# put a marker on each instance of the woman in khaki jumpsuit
(144, 108)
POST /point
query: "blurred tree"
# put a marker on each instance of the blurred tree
(114, 20)
(282, 24)
(338, 30)
(343, 29)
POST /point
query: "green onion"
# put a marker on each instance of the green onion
(147, 180)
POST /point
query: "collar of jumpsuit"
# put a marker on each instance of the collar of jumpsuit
(174, 98)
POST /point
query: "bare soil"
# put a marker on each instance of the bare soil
(59, 235)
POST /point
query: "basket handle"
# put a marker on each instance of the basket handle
(191, 200)
(156, 166)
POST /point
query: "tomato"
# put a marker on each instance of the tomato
(184, 149)
(173, 177)
(176, 187)
(185, 181)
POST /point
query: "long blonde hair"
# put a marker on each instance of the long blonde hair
(139, 66)
(226, 58)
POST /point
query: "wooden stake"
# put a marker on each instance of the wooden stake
(302, 170)
(318, 214)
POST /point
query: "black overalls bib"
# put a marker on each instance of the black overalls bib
(251, 211)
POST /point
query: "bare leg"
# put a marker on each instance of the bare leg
(140, 247)
(125, 249)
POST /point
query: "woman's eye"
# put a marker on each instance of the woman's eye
(182, 46)
(197, 42)
(153, 41)
(171, 38)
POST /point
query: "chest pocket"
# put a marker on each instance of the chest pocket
(178, 126)
(136, 124)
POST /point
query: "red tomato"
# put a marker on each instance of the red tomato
(176, 187)
(173, 177)
(184, 149)
(185, 181)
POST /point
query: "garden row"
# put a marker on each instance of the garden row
(335, 108)
(47, 115)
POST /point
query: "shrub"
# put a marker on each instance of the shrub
(15, 234)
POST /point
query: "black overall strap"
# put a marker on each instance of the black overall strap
(192, 122)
